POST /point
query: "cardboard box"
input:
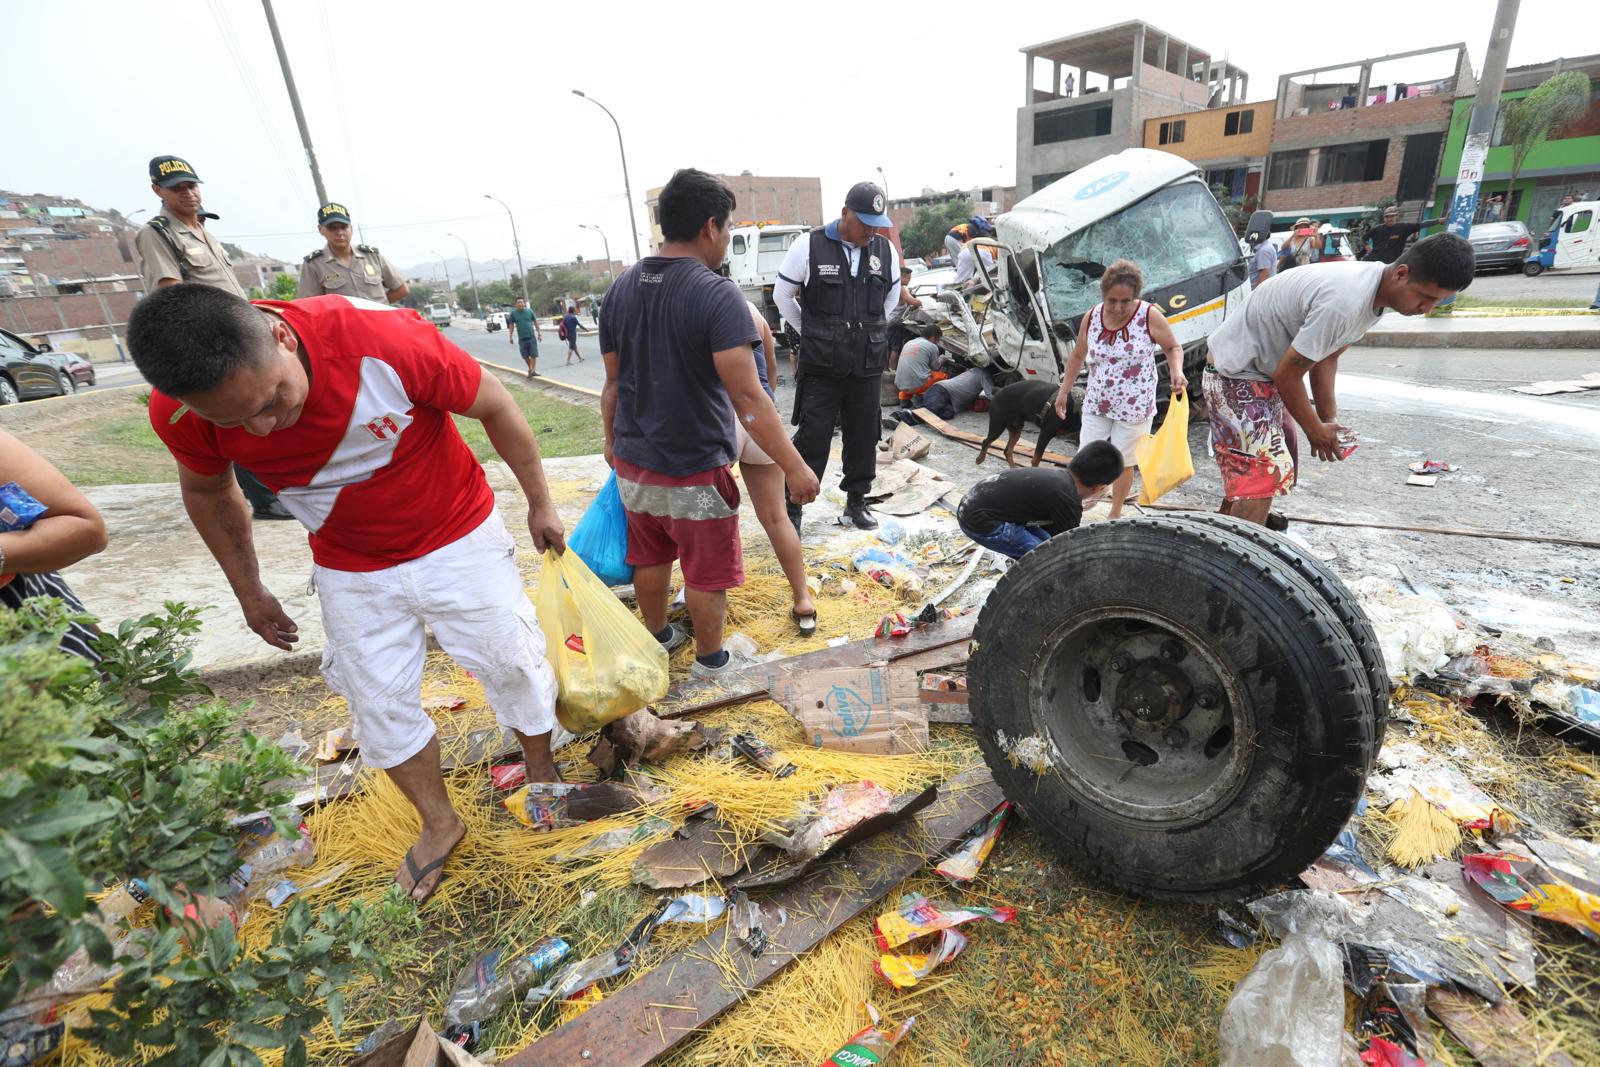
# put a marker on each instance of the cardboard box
(860, 709)
(417, 1047)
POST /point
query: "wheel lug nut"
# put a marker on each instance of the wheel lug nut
(1176, 736)
(1207, 697)
(1172, 651)
(1122, 663)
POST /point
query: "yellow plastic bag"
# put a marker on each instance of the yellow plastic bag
(1164, 460)
(607, 664)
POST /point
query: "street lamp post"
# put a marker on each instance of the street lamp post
(476, 299)
(448, 287)
(521, 273)
(627, 188)
(882, 180)
(602, 233)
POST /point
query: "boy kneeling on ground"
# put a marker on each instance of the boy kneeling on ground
(1008, 511)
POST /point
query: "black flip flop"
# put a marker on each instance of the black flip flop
(419, 873)
(806, 624)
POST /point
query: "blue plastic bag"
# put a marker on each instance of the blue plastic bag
(601, 537)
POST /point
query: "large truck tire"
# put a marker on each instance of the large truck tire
(1174, 707)
(1338, 596)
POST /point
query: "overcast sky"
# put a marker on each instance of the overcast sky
(418, 109)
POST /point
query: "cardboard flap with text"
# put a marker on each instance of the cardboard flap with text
(857, 709)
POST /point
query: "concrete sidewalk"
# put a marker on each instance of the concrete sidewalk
(1577, 329)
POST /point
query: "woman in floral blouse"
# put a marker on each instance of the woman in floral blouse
(1119, 338)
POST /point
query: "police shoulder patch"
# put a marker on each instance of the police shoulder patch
(369, 249)
(313, 255)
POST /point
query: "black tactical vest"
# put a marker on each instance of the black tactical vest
(844, 333)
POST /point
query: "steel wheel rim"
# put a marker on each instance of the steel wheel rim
(1083, 705)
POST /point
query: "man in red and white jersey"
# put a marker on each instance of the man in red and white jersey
(342, 407)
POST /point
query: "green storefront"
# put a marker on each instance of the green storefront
(1554, 168)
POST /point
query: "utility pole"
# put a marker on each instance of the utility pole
(294, 102)
(627, 188)
(515, 243)
(105, 308)
(1480, 127)
(476, 299)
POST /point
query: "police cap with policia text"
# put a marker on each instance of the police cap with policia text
(331, 212)
(167, 171)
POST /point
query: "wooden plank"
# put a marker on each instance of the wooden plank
(974, 441)
(1497, 1035)
(755, 682)
(629, 1029)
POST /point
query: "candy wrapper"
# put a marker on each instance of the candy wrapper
(1522, 883)
(918, 917)
(894, 624)
(962, 864)
(508, 775)
(904, 970)
(264, 856)
(545, 806)
(761, 754)
(18, 510)
(872, 1045)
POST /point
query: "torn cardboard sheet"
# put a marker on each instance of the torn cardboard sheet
(1559, 385)
(906, 488)
(862, 709)
(417, 1047)
(704, 847)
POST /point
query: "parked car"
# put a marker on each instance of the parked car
(439, 314)
(1500, 245)
(26, 373)
(495, 321)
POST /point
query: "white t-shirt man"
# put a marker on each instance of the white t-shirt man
(1316, 310)
(967, 266)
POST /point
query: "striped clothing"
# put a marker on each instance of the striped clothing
(79, 638)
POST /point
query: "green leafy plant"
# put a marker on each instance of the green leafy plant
(1530, 121)
(283, 286)
(135, 771)
(924, 234)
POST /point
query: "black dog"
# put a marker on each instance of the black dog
(1030, 401)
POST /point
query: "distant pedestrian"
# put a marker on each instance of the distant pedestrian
(838, 286)
(1386, 241)
(1494, 208)
(1016, 511)
(524, 329)
(1119, 339)
(174, 247)
(1302, 247)
(569, 326)
(594, 310)
(341, 269)
(1263, 257)
(676, 338)
(1299, 324)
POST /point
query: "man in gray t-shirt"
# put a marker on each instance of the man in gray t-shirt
(1297, 324)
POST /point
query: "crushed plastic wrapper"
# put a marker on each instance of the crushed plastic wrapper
(615, 840)
(1522, 883)
(894, 624)
(1383, 1053)
(917, 916)
(905, 969)
(264, 856)
(485, 985)
(545, 806)
(574, 978)
(753, 924)
(962, 865)
(1289, 1010)
(506, 776)
(871, 1045)
(763, 755)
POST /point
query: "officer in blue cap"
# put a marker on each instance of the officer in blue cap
(837, 288)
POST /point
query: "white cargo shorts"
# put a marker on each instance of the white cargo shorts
(471, 595)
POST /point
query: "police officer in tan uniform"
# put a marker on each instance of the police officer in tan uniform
(341, 269)
(174, 247)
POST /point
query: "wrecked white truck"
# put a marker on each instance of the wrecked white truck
(1051, 249)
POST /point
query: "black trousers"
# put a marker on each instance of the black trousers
(820, 405)
(259, 495)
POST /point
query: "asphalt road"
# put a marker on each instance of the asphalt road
(1513, 288)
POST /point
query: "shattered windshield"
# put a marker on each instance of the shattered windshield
(1173, 234)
